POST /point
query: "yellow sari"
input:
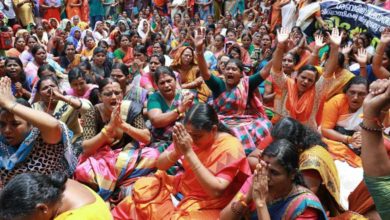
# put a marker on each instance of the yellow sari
(339, 83)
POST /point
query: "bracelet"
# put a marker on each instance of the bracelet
(370, 129)
(169, 157)
(11, 109)
(237, 210)
(105, 132)
(376, 120)
(177, 111)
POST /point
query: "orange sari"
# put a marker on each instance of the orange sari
(72, 11)
(152, 196)
(339, 83)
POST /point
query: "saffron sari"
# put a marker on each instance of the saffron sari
(243, 113)
(339, 83)
(151, 198)
(299, 203)
(112, 170)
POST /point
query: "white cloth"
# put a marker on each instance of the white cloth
(10, 13)
(289, 15)
(350, 178)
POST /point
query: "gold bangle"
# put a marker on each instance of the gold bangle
(105, 132)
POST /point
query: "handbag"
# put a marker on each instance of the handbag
(5, 40)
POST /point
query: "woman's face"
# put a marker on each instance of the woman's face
(218, 42)
(40, 56)
(118, 75)
(99, 26)
(263, 30)
(46, 88)
(355, 95)
(278, 178)
(177, 19)
(305, 80)
(257, 38)
(79, 85)
(187, 18)
(90, 43)
(154, 63)
(232, 74)
(13, 128)
(266, 41)
(111, 95)
(201, 138)
(235, 54)
(122, 27)
(251, 16)
(20, 44)
(70, 50)
(187, 57)
(157, 48)
(31, 42)
(222, 64)
(246, 41)
(288, 63)
(220, 24)
(167, 85)
(99, 58)
(125, 42)
(210, 19)
(231, 36)
(40, 30)
(210, 35)
(47, 72)
(77, 35)
(13, 69)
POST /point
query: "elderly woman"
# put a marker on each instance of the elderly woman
(185, 64)
(236, 99)
(31, 140)
(214, 165)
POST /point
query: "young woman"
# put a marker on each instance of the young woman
(275, 189)
(146, 80)
(119, 136)
(89, 47)
(21, 84)
(236, 99)
(31, 140)
(124, 54)
(303, 97)
(70, 59)
(100, 65)
(209, 154)
(26, 56)
(62, 199)
(64, 108)
(80, 88)
(19, 47)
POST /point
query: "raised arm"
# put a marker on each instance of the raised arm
(331, 64)
(362, 58)
(276, 70)
(379, 70)
(199, 40)
(49, 127)
(319, 43)
(374, 156)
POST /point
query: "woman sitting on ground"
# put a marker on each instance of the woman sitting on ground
(214, 165)
(38, 196)
(236, 99)
(31, 140)
(275, 190)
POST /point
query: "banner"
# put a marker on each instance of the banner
(356, 17)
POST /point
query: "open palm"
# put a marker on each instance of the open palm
(335, 37)
(199, 39)
(283, 35)
(385, 37)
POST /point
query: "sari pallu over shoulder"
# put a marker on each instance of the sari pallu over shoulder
(115, 168)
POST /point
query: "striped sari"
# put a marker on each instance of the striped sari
(244, 115)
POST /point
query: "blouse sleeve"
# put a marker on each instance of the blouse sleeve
(330, 115)
(308, 214)
(280, 79)
(153, 102)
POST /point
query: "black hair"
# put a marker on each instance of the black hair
(45, 67)
(17, 38)
(160, 58)
(33, 37)
(237, 62)
(295, 56)
(246, 34)
(163, 47)
(22, 194)
(99, 50)
(340, 59)
(36, 48)
(132, 34)
(103, 42)
(356, 81)
(368, 36)
(309, 68)
(20, 101)
(203, 117)
(232, 31)
(126, 36)
(286, 155)
(86, 37)
(140, 49)
(22, 75)
(67, 44)
(301, 136)
(87, 64)
(122, 67)
(44, 78)
(161, 71)
(76, 73)
(221, 36)
(235, 49)
(104, 82)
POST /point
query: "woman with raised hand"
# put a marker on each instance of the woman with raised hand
(275, 190)
(214, 165)
(119, 135)
(376, 162)
(236, 98)
(380, 63)
(37, 196)
(303, 97)
(31, 140)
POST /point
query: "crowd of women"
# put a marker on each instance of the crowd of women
(214, 113)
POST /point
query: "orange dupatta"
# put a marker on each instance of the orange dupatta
(300, 108)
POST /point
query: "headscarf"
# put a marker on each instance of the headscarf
(63, 24)
(177, 62)
(21, 32)
(71, 37)
(125, 23)
(140, 28)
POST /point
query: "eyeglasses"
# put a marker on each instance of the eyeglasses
(109, 94)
